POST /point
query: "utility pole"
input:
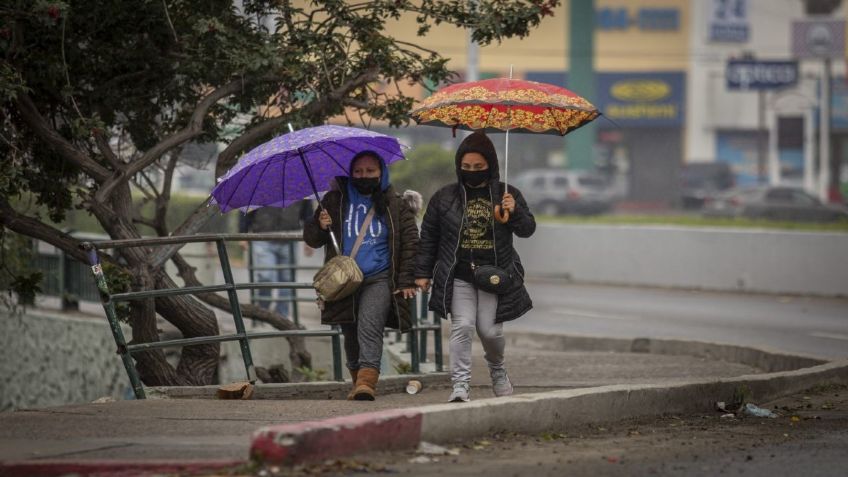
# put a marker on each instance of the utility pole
(762, 134)
(579, 146)
(471, 69)
(824, 133)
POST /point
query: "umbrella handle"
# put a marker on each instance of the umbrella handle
(335, 242)
(501, 215)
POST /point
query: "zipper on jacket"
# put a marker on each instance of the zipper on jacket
(494, 236)
(455, 250)
(392, 263)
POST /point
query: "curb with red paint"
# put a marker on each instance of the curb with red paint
(330, 438)
(398, 429)
(110, 468)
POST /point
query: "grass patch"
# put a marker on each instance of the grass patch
(694, 221)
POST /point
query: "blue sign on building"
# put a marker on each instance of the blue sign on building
(754, 75)
(727, 21)
(641, 100)
(647, 19)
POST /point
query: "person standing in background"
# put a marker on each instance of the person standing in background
(275, 253)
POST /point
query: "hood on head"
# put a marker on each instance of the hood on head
(384, 169)
(480, 143)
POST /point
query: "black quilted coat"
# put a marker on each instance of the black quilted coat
(403, 242)
(440, 233)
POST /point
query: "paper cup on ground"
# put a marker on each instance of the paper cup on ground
(413, 386)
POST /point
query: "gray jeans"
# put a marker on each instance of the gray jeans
(363, 339)
(473, 309)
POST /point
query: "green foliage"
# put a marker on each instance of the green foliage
(311, 374)
(553, 436)
(17, 278)
(741, 394)
(403, 368)
(26, 287)
(118, 280)
(428, 167)
(89, 88)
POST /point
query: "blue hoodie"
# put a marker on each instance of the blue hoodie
(373, 256)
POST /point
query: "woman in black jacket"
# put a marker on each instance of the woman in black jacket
(460, 234)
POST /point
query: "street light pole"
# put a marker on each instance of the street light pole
(824, 133)
(762, 136)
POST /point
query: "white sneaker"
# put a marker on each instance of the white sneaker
(460, 393)
(501, 385)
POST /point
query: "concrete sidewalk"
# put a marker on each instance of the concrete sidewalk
(194, 430)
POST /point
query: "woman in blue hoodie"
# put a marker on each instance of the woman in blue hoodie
(386, 257)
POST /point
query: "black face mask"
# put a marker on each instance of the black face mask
(365, 185)
(474, 178)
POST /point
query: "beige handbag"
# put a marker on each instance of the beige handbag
(341, 276)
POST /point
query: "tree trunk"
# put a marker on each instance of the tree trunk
(298, 354)
(199, 363)
(152, 367)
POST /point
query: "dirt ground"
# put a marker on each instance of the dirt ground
(809, 438)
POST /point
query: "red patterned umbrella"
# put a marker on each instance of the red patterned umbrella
(506, 104)
(503, 104)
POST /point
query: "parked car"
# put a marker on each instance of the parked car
(775, 203)
(702, 181)
(559, 191)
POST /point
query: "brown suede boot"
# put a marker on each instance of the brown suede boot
(353, 373)
(366, 384)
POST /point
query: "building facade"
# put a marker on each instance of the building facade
(661, 72)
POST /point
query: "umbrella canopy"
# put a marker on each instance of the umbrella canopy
(504, 104)
(296, 165)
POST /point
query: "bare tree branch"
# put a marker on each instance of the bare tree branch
(106, 150)
(191, 131)
(150, 191)
(190, 226)
(19, 223)
(259, 132)
(43, 130)
(249, 139)
(165, 197)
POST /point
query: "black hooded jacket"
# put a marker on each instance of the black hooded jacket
(440, 236)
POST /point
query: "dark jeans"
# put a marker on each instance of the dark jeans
(363, 339)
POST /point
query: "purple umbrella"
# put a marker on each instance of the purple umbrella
(296, 165)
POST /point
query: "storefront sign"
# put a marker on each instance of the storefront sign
(642, 99)
(755, 75)
(727, 21)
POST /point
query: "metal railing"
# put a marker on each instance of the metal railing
(417, 337)
(417, 344)
(271, 301)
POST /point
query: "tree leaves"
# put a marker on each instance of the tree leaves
(129, 77)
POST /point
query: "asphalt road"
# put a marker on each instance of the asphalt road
(799, 325)
(809, 438)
